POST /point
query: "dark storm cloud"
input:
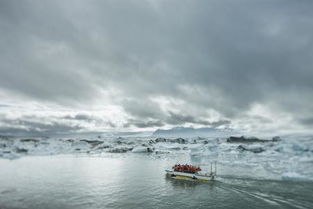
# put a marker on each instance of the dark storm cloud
(219, 55)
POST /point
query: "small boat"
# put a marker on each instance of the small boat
(191, 172)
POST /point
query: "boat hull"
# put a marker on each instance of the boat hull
(194, 176)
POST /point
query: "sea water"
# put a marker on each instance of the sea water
(75, 173)
(134, 181)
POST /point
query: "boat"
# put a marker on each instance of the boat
(191, 172)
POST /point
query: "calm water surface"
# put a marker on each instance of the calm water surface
(134, 181)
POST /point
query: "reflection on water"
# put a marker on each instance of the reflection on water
(133, 181)
(182, 183)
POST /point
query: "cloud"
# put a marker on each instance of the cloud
(178, 119)
(209, 60)
(34, 126)
(52, 123)
(307, 121)
(143, 124)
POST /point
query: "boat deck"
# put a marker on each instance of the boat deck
(194, 176)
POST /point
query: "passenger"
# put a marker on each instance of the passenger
(186, 168)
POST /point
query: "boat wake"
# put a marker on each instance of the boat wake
(259, 190)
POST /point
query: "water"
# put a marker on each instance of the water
(136, 180)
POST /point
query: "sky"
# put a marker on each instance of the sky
(138, 65)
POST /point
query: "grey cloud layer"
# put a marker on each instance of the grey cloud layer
(210, 55)
(50, 124)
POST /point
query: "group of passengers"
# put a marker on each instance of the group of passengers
(186, 168)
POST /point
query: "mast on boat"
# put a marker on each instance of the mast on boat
(213, 171)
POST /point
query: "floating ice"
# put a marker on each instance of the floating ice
(273, 158)
(293, 176)
(142, 149)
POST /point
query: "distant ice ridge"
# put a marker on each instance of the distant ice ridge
(286, 159)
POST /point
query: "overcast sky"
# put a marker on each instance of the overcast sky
(114, 65)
